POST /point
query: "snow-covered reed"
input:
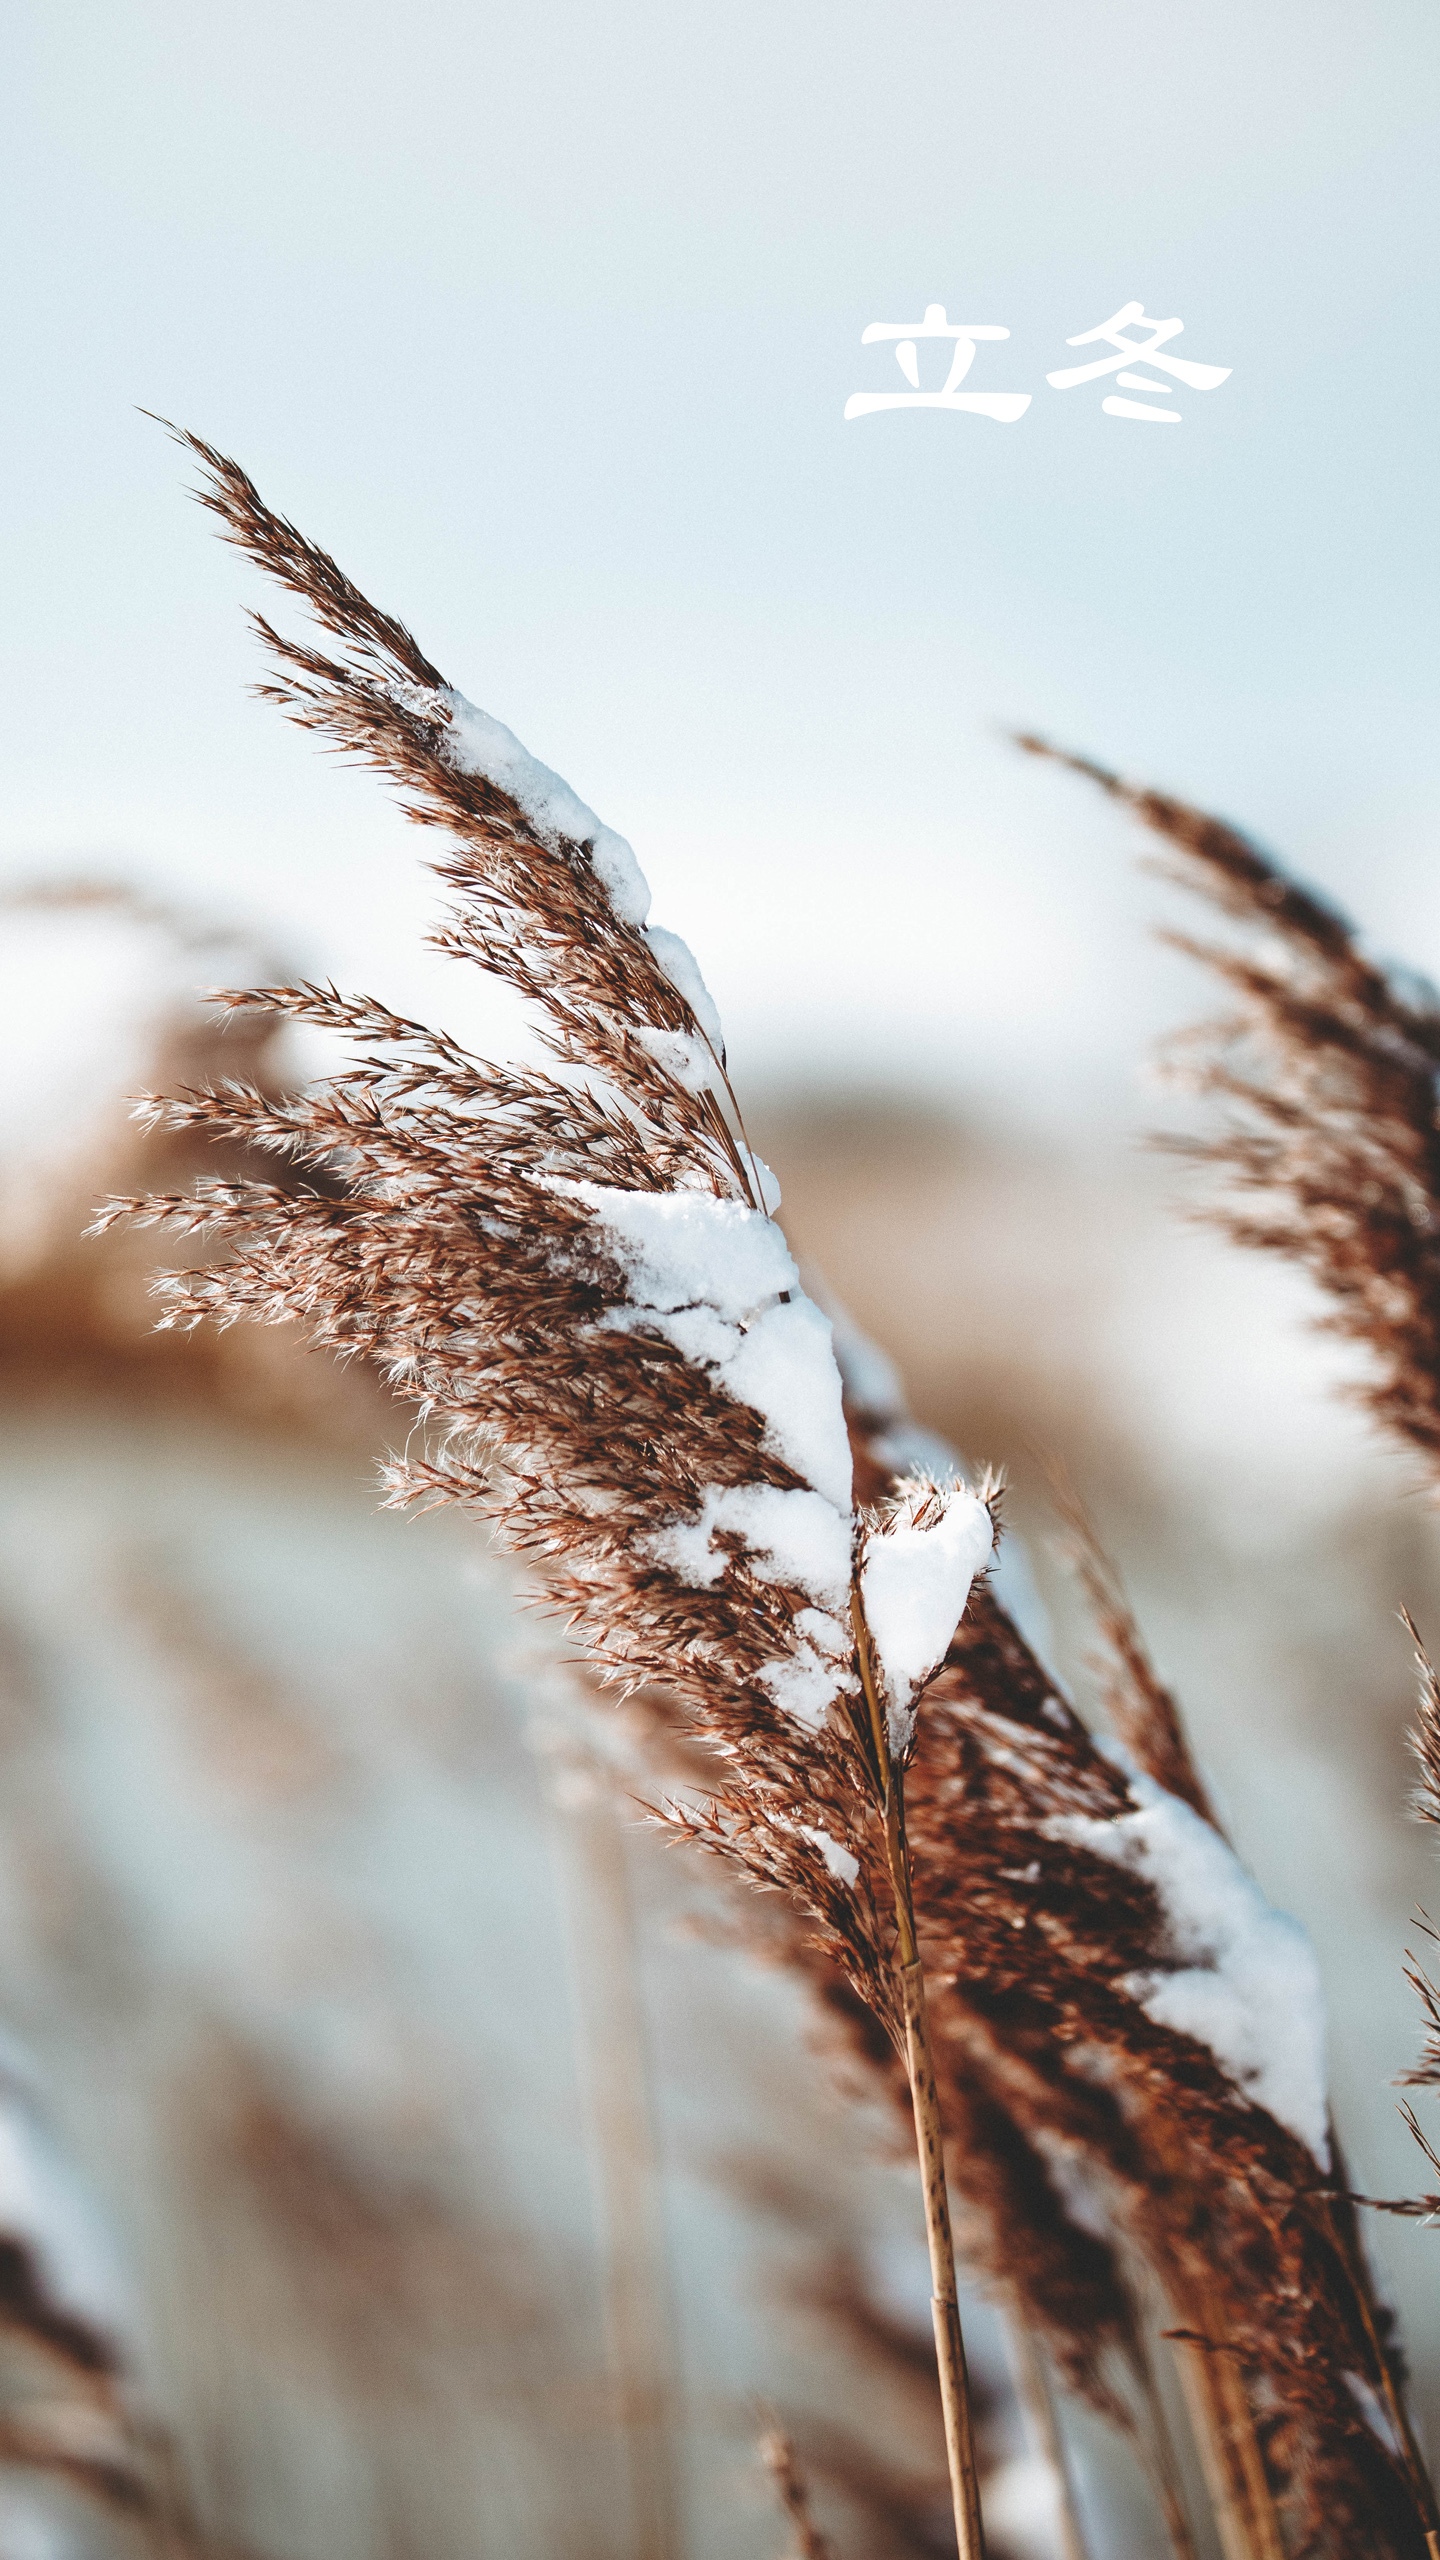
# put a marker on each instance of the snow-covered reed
(575, 1275)
(577, 1278)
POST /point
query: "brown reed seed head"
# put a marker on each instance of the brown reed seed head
(1329, 1151)
(482, 1235)
(573, 1277)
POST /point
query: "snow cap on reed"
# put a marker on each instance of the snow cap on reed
(1245, 1981)
(920, 1554)
(476, 743)
(717, 1280)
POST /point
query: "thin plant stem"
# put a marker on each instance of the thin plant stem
(929, 2133)
(1165, 2467)
(1037, 2398)
(1234, 2468)
(1225, 2490)
(1238, 2421)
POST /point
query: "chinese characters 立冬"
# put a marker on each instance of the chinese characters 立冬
(1005, 407)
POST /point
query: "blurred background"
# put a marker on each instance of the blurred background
(319, 1937)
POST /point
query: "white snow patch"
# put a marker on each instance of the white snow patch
(1251, 1988)
(802, 1684)
(917, 1566)
(718, 1280)
(875, 1394)
(782, 1366)
(682, 1054)
(842, 1862)
(680, 1247)
(807, 1681)
(792, 1536)
(683, 971)
(478, 744)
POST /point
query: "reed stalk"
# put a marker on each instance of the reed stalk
(925, 2103)
(1165, 2466)
(1037, 2399)
(1230, 2456)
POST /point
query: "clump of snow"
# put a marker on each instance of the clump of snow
(1248, 1986)
(682, 1054)
(918, 1562)
(683, 971)
(718, 1280)
(806, 1681)
(803, 1685)
(478, 744)
(842, 1862)
(875, 1395)
(792, 1535)
(687, 1248)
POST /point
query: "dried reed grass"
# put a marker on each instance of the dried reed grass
(1329, 1150)
(455, 1224)
(451, 1227)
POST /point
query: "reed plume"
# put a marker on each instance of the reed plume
(576, 1278)
(1328, 1150)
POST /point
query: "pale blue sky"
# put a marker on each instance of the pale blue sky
(543, 318)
